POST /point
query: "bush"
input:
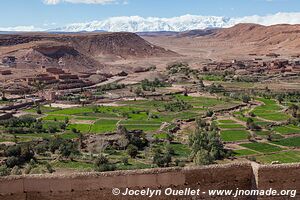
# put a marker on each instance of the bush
(68, 148)
(105, 168)
(16, 171)
(49, 168)
(177, 106)
(52, 129)
(246, 99)
(13, 151)
(41, 148)
(27, 169)
(101, 160)
(4, 170)
(209, 113)
(102, 164)
(125, 161)
(39, 111)
(203, 158)
(162, 160)
(132, 151)
(12, 161)
(170, 150)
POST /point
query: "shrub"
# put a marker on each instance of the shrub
(16, 171)
(102, 164)
(41, 148)
(209, 113)
(49, 168)
(13, 151)
(246, 99)
(125, 161)
(12, 161)
(4, 170)
(162, 160)
(132, 151)
(27, 169)
(69, 148)
(203, 157)
(170, 150)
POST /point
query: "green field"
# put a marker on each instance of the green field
(146, 115)
(231, 126)
(244, 152)
(80, 166)
(262, 147)
(234, 135)
(226, 121)
(270, 110)
(83, 128)
(103, 126)
(55, 117)
(287, 130)
(289, 142)
(282, 157)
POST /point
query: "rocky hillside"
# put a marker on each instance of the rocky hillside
(280, 35)
(124, 45)
(79, 52)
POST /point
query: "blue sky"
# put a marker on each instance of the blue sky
(61, 12)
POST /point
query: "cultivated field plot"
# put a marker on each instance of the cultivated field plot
(287, 130)
(146, 115)
(289, 142)
(261, 147)
(244, 152)
(269, 143)
(231, 131)
(234, 135)
(270, 110)
(282, 157)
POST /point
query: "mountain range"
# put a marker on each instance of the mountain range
(176, 24)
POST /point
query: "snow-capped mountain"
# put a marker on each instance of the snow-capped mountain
(140, 24)
(178, 24)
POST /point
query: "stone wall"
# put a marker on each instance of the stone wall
(98, 186)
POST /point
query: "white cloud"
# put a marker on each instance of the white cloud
(54, 2)
(21, 29)
(278, 18)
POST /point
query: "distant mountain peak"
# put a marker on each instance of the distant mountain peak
(150, 24)
(173, 24)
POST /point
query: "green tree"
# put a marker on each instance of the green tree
(206, 145)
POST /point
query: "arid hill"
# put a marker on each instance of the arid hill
(280, 35)
(124, 45)
(236, 42)
(77, 52)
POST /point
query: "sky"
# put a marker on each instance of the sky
(55, 13)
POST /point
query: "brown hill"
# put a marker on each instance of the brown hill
(123, 45)
(77, 52)
(282, 35)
